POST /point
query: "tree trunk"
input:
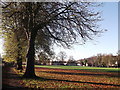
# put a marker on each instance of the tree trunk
(30, 71)
(19, 57)
(19, 63)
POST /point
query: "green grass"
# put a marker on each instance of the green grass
(103, 69)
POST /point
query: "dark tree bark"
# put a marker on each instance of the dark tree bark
(19, 64)
(30, 71)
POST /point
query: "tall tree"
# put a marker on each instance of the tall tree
(62, 22)
(62, 55)
(13, 32)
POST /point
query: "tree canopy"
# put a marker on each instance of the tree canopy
(62, 23)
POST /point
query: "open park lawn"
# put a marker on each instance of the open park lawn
(63, 77)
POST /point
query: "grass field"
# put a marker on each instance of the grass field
(73, 77)
(64, 77)
(102, 69)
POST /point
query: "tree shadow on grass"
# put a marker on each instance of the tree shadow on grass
(12, 76)
(100, 70)
(15, 76)
(47, 79)
(92, 74)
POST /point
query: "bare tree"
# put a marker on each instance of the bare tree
(62, 55)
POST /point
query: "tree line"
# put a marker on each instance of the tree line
(102, 60)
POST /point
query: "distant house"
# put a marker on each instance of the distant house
(81, 62)
(78, 64)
